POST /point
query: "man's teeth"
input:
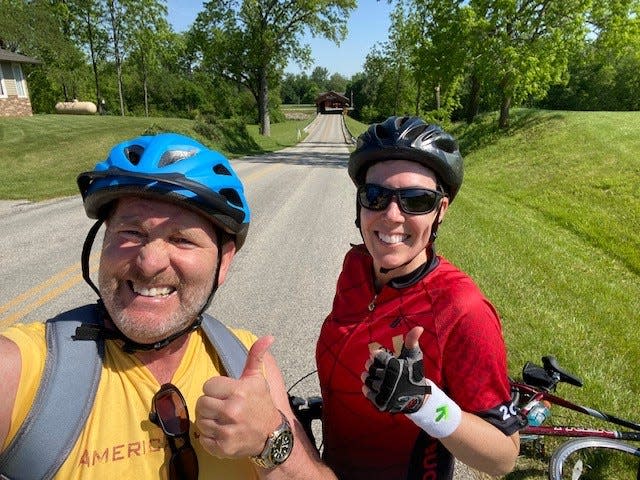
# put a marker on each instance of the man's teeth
(153, 292)
(392, 238)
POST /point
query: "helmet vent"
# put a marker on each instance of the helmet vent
(232, 197)
(134, 153)
(221, 170)
(172, 156)
(449, 145)
(381, 132)
(414, 133)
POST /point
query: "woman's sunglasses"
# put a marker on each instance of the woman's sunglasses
(415, 201)
(169, 412)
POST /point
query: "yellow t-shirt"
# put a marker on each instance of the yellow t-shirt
(118, 440)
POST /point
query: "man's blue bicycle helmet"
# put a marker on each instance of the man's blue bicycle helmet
(175, 168)
(169, 167)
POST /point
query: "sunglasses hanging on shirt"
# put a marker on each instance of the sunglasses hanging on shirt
(169, 412)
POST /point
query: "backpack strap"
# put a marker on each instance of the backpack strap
(232, 352)
(68, 388)
(63, 401)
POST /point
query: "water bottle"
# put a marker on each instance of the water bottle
(538, 413)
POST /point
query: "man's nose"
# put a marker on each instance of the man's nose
(153, 258)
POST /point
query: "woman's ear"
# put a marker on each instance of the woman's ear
(444, 206)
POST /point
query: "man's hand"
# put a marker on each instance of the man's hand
(235, 416)
(397, 384)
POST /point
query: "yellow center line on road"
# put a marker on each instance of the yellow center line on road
(33, 291)
(11, 319)
(261, 173)
(52, 291)
(39, 300)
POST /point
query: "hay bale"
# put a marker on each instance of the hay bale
(77, 108)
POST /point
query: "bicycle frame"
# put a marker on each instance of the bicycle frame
(537, 393)
(538, 384)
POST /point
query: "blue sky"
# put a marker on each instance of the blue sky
(368, 24)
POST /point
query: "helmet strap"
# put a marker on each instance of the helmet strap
(435, 225)
(86, 253)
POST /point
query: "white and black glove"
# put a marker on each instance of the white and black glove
(397, 384)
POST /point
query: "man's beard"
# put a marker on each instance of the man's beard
(191, 304)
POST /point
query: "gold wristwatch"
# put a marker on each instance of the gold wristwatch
(278, 446)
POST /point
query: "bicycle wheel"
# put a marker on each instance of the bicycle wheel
(594, 458)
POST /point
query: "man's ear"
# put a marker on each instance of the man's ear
(228, 252)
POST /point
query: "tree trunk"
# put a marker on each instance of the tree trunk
(473, 107)
(396, 104)
(115, 29)
(120, 89)
(437, 96)
(263, 104)
(94, 65)
(503, 123)
(145, 84)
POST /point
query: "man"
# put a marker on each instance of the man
(175, 215)
(387, 413)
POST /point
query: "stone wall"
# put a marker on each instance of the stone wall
(15, 107)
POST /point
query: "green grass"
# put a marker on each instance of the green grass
(40, 156)
(354, 126)
(547, 223)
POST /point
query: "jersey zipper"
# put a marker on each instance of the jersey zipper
(372, 305)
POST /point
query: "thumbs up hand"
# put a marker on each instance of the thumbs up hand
(234, 417)
(397, 384)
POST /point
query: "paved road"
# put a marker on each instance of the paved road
(282, 282)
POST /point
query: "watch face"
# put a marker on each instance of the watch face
(281, 447)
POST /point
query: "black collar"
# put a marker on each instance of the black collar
(414, 277)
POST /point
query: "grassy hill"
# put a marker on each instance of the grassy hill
(40, 156)
(547, 222)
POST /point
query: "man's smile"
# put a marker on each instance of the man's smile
(154, 292)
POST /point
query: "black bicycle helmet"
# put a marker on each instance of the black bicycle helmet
(409, 138)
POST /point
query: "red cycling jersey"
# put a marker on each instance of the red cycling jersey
(464, 354)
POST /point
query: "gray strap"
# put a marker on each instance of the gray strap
(232, 352)
(67, 390)
(62, 403)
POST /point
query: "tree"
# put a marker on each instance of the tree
(337, 83)
(384, 88)
(524, 46)
(147, 39)
(320, 76)
(131, 25)
(298, 89)
(40, 28)
(85, 22)
(251, 41)
(115, 18)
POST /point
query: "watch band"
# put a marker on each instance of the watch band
(277, 447)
